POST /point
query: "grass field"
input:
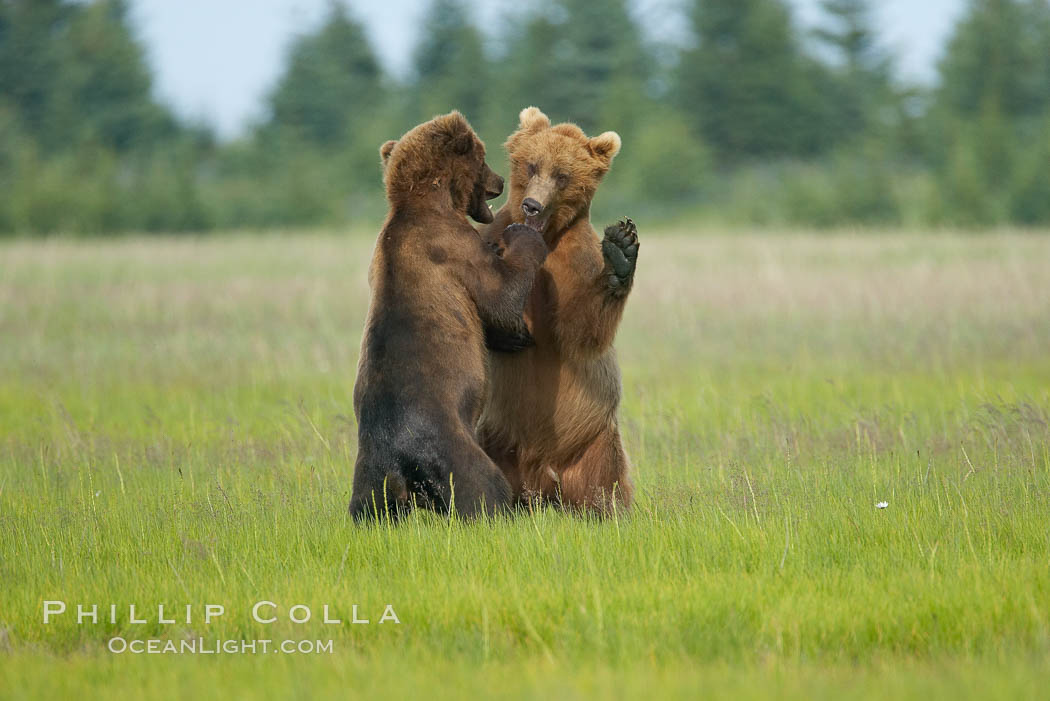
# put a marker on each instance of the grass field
(176, 428)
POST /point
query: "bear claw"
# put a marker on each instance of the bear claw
(620, 250)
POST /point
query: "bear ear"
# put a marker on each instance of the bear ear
(461, 136)
(531, 119)
(605, 146)
(386, 149)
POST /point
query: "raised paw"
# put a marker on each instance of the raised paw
(620, 249)
(527, 240)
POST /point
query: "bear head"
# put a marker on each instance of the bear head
(442, 158)
(555, 171)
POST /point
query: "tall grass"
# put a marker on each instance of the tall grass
(176, 428)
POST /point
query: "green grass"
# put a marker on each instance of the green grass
(176, 428)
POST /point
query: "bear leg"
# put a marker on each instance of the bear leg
(468, 480)
(481, 489)
(506, 460)
(378, 494)
(599, 479)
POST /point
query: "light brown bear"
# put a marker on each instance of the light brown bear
(549, 419)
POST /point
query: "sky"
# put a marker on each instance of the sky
(215, 60)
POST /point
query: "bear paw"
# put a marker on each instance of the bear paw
(620, 249)
(496, 247)
(512, 340)
(527, 240)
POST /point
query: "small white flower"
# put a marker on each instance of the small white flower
(98, 493)
(882, 505)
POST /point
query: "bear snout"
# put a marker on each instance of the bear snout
(531, 207)
(493, 186)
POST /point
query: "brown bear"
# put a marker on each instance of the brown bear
(437, 291)
(549, 419)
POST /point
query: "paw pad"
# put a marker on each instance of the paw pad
(620, 250)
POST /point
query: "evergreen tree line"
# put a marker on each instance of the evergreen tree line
(752, 120)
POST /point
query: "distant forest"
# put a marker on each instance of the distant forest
(755, 122)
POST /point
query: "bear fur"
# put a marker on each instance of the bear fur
(437, 289)
(549, 420)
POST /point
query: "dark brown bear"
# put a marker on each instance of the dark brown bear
(437, 291)
(550, 417)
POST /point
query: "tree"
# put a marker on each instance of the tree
(332, 83)
(990, 107)
(75, 73)
(998, 54)
(450, 64)
(31, 57)
(852, 36)
(579, 60)
(748, 87)
(104, 90)
(862, 70)
(1030, 194)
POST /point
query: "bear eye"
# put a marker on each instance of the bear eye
(532, 169)
(563, 179)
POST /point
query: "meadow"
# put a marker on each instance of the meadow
(176, 428)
